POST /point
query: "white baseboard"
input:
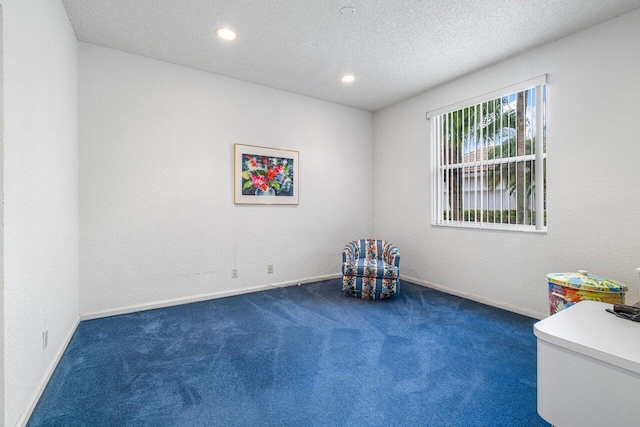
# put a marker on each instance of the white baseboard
(202, 297)
(24, 418)
(477, 298)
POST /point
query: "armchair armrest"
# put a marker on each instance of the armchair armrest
(351, 252)
(391, 255)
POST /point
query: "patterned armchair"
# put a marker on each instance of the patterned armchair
(370, 269)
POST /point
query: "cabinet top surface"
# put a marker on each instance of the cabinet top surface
(588, 329)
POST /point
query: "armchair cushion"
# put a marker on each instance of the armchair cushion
(369, 267)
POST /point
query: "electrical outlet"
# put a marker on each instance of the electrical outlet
(45, 339)
(269, 268)
(234, 273)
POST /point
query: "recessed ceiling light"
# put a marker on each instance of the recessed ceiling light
(347, 78)
(226, 33)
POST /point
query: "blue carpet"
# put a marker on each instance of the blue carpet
(300, 356)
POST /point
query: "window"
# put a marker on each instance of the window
(489, 160)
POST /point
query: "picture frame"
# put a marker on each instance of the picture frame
(265, 176)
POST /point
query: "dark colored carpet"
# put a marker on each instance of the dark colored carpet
(300, 356)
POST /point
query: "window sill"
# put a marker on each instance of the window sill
(491, 226)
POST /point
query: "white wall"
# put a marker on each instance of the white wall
(2, 221)
(592, 176)
(40, 194)
(157, 218)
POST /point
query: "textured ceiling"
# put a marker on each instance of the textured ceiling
(395, 48)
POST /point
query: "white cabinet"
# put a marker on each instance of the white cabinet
(588, 367)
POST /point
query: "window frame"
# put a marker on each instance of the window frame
(439, 164)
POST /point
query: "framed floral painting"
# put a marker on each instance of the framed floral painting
(265, 176)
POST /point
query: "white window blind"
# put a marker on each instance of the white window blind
(489, 160)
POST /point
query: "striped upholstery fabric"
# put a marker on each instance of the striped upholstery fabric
(371, 269)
